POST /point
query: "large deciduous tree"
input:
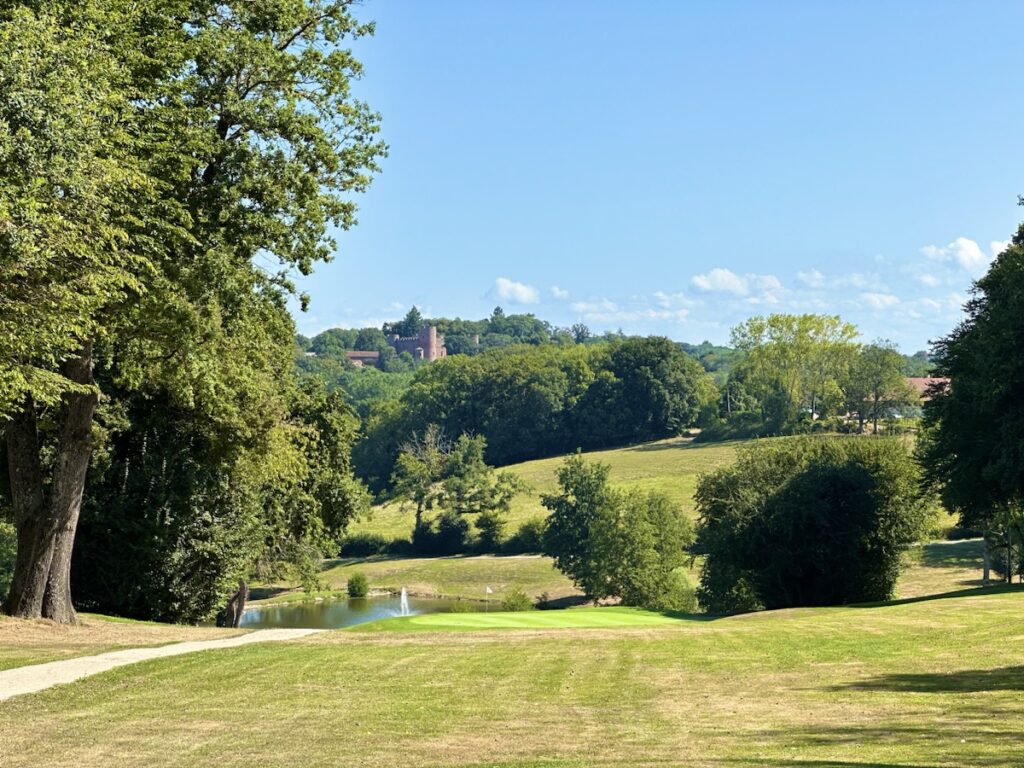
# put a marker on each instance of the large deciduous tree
(972, 444)
(794, 363)
(164, 165)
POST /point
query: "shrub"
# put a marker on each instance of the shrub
(808, 521)
(446, 535)
(461, 606)
(529, 539)
(677, 594)
(358, 585)
(491, 526)
(399, 547)
(363, 545)
(516, 600)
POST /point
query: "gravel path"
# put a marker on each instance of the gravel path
(37, 677)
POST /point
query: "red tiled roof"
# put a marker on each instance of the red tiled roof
(922, 384)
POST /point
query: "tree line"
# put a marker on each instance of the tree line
(531, 402)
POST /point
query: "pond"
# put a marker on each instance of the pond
(334, 614)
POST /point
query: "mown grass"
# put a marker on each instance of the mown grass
(25, 642)
(668, 466)
(930, 683)
(610, 617)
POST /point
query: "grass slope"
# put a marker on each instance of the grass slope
(669, 466)
(925, 683)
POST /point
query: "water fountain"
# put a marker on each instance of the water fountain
(404, 604)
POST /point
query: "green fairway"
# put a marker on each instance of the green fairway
(611, 617)
(668, 466)
(930, 683)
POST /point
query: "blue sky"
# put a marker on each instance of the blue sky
(676, 167)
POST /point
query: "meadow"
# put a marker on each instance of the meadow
(933, 682)
(668, 466)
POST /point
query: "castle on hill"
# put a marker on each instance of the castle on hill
(427, 345)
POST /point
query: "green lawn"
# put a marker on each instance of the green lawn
(925, 683)
(669, 466)
(611, 617)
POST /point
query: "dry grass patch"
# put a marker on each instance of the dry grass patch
(26, 641)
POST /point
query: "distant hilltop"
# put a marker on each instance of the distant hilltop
(427, 345)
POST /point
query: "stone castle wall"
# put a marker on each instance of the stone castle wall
(428, 344)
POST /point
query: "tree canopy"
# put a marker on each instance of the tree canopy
(971, 445)
(808, 521)
(165, 166)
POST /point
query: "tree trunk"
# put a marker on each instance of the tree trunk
(986, 558)
(31, 565)
(46, 523)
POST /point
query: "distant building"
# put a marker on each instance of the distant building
(427, 345)
(361, 359)
(924, 385)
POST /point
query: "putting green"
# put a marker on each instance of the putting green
(612, 617)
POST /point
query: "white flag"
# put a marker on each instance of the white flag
(488, 591)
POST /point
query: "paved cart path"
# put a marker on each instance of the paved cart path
(38, 677)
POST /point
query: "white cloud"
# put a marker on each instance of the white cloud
(594, 307)
(880, 300)
(971, 257)
(998, 246)
(559, 293)
(518, 293)
(927, 278)
(721, 280)
(672, 300)
(812, 278)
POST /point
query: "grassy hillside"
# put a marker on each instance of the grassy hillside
(924, 683)
(669, 466)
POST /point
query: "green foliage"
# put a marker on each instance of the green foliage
(528, 538)
(516, 600)
(876, 386)
(363, 545)
(534, 402)
(490, 526)
(584, 494)
(176, 511)
(8, 551)
(358, 585)
(808, 521)
(792, 364)
(971, 444)
(446, 534)
(162, 171)
(613, 543)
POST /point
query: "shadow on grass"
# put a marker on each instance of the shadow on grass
(997, 589)
(953, 554)
(824, 763)
(966, 681)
